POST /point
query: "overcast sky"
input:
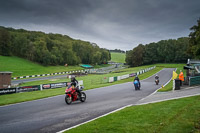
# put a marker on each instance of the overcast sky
(111, 24)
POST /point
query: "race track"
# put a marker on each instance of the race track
(52, 114)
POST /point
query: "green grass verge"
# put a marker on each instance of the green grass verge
(118, 57)
(174, 116)
(168, 87)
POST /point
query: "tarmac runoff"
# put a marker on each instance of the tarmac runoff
(153, 98)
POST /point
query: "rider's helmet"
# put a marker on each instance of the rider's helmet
(72, 79)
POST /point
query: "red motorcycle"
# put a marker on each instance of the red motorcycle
(74, 94)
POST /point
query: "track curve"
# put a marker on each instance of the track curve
(52, 114)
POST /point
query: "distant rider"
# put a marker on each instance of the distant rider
(156, 77)
(136, 78)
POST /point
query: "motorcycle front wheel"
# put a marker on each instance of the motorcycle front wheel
(68, 99)
(83, 97)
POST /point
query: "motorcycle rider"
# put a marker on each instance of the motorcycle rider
(156, 77)
(136, 78)
(74, 82)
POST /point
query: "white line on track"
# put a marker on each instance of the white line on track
(95, 118)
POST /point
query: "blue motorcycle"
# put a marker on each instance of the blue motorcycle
(136, 84)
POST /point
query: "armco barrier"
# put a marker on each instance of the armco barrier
(112, 79)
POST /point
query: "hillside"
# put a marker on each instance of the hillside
(50, 49)
(118, 57)
(22, 67)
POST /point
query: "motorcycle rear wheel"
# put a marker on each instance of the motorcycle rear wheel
(68, 99)
(83, 97)
(157, 82)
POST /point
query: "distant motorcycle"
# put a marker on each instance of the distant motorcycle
(156, 81)
(74, 94)
(136, 84)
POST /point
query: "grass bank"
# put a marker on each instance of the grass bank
(118, 57)
(22, 67)
(174, 116)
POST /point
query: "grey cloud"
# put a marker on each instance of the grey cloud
(109, 23)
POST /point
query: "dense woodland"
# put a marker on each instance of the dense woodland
(50, 49)
(167, 51)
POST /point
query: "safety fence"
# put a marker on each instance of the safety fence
(112, 79)
(117, 78)
(50, 74)
(36, 87)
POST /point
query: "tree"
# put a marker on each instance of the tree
(194, 41)
(5, 45)
(135, 57)
(50, 49)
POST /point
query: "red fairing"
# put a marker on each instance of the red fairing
(70, 91)
(74, 94)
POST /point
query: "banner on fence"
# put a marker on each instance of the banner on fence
(54, 85)
(46, 86)
(27, 88)
(111, 79)
(58, 85)
(118, 77)
(105, 80)
(7, 91)
(124, 76)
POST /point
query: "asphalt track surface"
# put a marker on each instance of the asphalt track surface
(52, 114)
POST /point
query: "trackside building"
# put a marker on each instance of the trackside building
(5, 79)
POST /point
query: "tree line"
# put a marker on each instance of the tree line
(50, 49)
(117, 50)
(167, 51)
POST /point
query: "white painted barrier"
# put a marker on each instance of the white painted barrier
(111, 79)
